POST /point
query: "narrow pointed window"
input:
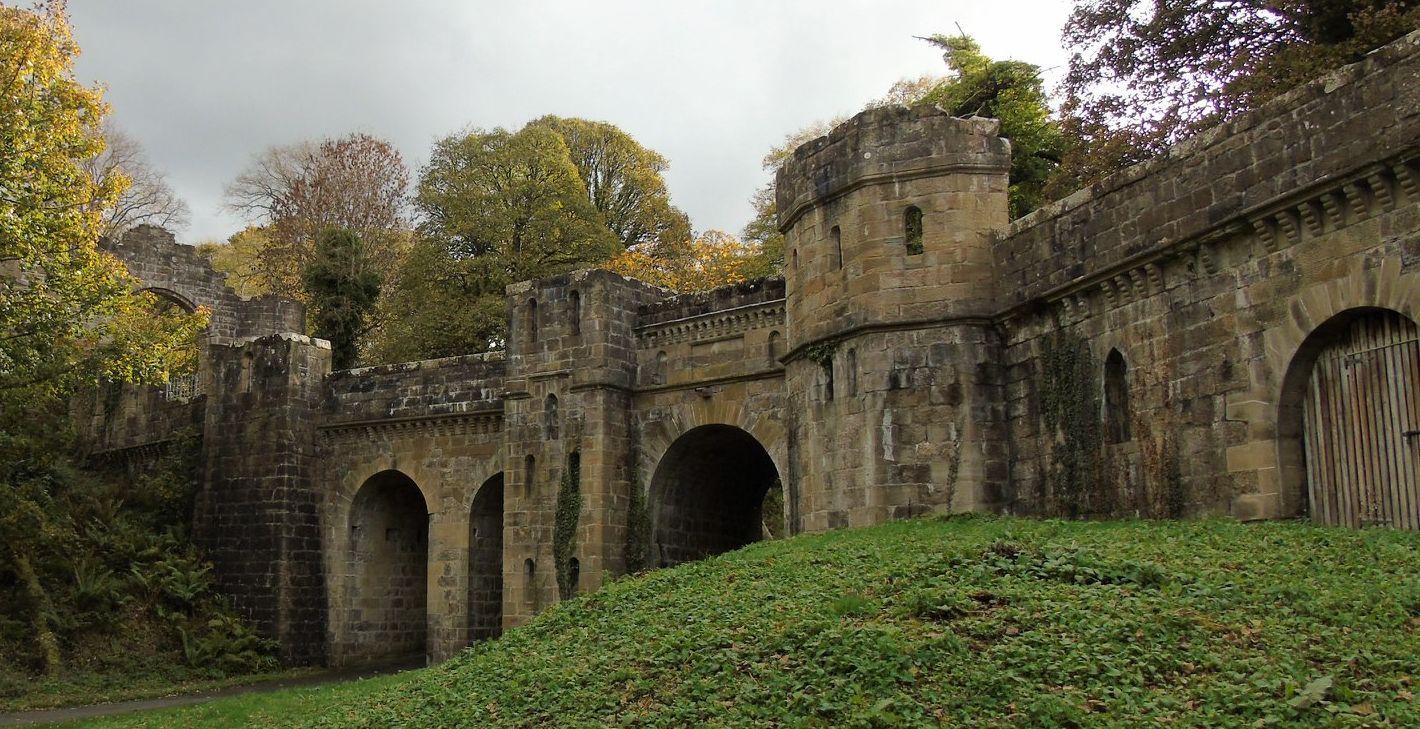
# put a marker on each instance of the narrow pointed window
(912, 230)
(1116, 398)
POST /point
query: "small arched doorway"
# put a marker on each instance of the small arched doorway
(1351, 411)
(708, 494)
(388, 572)
(485, 562)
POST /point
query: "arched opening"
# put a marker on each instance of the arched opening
(549, 415)
(1116, 398)
(388, 568)
(775, 348)
(1349, 421)
(529, 474)
(836, 236)
(183, 382)
(708, 493)
(485, 561)
(576, 301)
(912, 230)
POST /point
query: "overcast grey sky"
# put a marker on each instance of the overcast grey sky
(206, 84)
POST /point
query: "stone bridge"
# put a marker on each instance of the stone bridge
(1228, 329)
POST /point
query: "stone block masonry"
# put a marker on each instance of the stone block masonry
(1146, 347)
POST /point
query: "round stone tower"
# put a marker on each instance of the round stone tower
(889, 222)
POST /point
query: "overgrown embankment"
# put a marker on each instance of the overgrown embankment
(972, 622)
(102, 595)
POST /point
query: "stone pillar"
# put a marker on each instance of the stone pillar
(569, 392)
(256, 514)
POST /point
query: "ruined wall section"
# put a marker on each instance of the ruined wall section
(125, 417)
(1195, 266)
(893, 387)
(571, 370)
(256, 514)
(180, 273)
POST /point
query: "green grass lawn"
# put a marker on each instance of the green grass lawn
(83, 689)
(972, 622)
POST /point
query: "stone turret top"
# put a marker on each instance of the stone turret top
(887, 144)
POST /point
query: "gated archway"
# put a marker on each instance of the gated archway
(1358, 419)
(708, 493)
(387, 571)
(485, 561)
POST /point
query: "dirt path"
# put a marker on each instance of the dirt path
(45, 716)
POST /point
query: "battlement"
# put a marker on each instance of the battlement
(887, 144)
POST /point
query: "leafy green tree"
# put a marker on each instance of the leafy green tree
(498, 207)
(343, 286)
(623, 180)
(68, 314)
(1012, 92)
(1145, 74)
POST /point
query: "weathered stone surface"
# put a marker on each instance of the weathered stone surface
(889, 374)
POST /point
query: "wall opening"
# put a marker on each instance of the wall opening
(658, 375)
(549, 417)
(851, 365)
(827, 369)
(774, 348)
(1349, 422)
(576, 300)
(485, 562)
(708, 493)
(912, 230)
(387, 571)
(529, 474)
(1116, 399)
(532, 324)
(836, 236)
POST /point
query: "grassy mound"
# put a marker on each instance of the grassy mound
(975, 621)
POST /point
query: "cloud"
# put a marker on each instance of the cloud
(710, 85)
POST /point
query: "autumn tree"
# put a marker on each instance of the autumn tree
(1146, 74)
(711, 260)
(497, 207)
(343, 287)
(147, 199)
(356, 182)
(240, 259)
(623, 181)
(68, 313)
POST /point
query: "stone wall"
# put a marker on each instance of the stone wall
(257, 514)
(1205, 269)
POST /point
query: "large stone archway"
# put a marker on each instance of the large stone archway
(387, 572)
(708, 492)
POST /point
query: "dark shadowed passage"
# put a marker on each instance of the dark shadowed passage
(708, 493)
